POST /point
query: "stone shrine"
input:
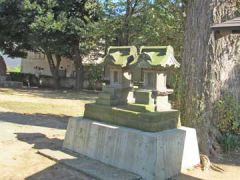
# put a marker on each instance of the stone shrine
(151, 110)
(135, 129)
(117, 75)
(155, 63)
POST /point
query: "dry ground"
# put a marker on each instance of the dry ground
(36, 119)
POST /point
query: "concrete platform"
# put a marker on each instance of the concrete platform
(153, 156)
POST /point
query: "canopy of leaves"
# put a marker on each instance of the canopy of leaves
(146, 22)
(46, 26)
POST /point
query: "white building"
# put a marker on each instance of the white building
(37, 64)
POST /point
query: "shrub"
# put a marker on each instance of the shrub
(228, 111)
(94, 75)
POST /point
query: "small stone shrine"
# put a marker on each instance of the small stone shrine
(117, 75)
(135, 129)
(155, 63)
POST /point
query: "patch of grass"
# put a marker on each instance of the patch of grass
(43, 108)
(14, 69)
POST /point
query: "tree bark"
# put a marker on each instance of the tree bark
(209, 68)
(56, 72)
(78, 67)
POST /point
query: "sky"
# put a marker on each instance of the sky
(12, 62)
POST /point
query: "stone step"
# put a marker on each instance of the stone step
(105, 96)
(139, 107)
(94, 168)
(108, 102)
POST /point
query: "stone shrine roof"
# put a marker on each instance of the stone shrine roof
(155, 56)
(121, 55)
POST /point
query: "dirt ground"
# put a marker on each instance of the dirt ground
(31, 120)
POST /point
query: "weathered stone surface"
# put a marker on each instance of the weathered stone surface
(154, 156)
(142, 120)
(144, 97)
(113, 96)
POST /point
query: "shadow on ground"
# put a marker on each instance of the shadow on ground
(231, 158)
(40, 141)
(43, 120)
(58, 171)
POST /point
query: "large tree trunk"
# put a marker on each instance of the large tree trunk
(130, 10)
(209, 68)
(78, 67)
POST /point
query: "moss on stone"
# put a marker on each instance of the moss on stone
(146, 121)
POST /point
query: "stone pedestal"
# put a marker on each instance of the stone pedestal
(112, 96)
(154, 156)
(144, 96)
(162, 103)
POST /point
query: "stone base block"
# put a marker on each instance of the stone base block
(123, 116)
(153, 156)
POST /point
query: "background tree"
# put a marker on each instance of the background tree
(14, 28)
(144, 22)
(45, 34)
(61, 28)
(210, 68)
(55, 28)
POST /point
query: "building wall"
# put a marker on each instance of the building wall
(37, 64)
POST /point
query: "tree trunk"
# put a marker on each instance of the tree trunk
(130, 10)
(56, 72)
(54, 68)
(209, 68)
(3, 67)
(78, 67)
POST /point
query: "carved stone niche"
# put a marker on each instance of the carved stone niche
(120, 78)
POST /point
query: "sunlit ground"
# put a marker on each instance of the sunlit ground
(32, 119)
